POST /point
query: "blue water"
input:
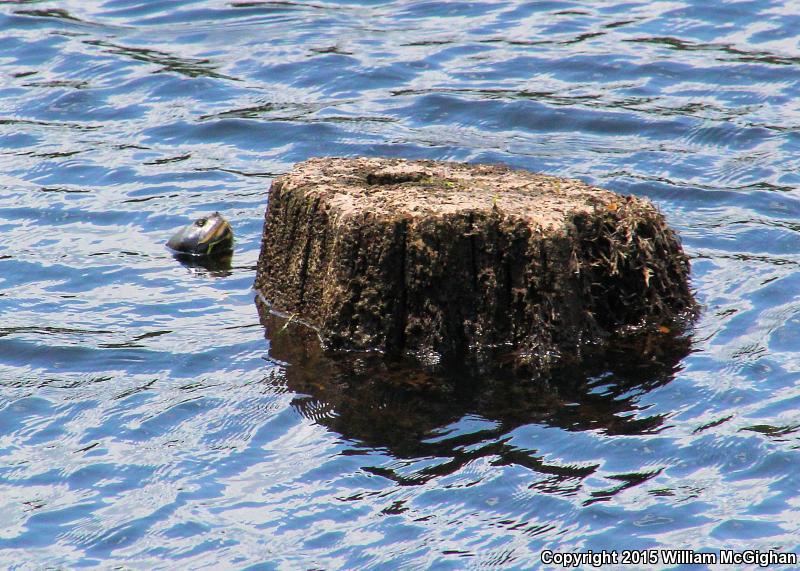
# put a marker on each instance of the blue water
(150, 418)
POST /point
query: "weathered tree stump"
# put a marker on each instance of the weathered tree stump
(449, 260)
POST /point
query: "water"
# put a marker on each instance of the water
(145, 419)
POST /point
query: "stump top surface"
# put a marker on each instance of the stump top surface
(393, 187)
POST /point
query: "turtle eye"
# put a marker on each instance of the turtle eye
(201, 222)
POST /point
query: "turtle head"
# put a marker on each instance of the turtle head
(207, 236)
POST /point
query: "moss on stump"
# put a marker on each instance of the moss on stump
(452, 261)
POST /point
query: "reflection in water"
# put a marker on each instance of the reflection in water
(137, 427)
(400, 407)
(189, 67)
(214, 266)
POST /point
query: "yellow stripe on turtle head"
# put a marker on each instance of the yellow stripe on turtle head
(217, 235)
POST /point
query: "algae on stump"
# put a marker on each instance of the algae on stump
(449, 260)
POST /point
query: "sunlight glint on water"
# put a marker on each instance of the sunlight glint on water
(146, 420)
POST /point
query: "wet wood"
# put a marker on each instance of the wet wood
(453, 262)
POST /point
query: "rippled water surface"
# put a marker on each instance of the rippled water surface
(153, 416)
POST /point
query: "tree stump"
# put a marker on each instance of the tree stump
(451, 261)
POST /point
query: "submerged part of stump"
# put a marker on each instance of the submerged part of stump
(452, 261)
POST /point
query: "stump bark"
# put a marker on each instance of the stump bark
(453, 261)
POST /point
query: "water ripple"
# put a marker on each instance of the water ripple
(152, 415)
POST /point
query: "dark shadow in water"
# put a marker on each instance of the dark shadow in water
(215, 266)
(189, 67)
(398, 407)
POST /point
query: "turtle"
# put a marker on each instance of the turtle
(206, 236)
